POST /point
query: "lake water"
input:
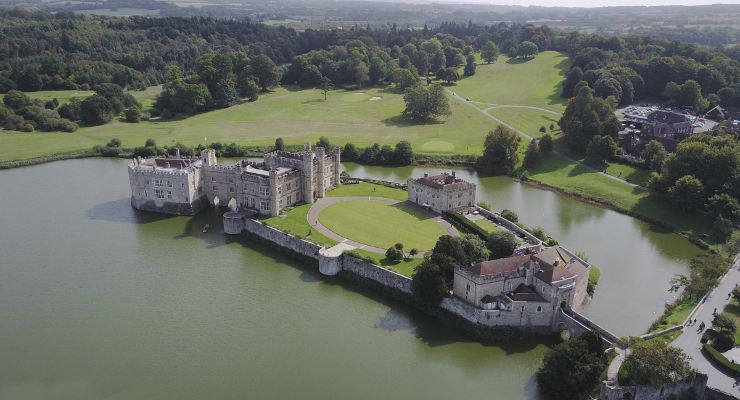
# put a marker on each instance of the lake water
(100, 301)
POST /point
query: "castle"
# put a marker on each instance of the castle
(524, 290)
(185, 185)
(441, 192)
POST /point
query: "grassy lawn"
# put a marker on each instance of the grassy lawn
(404, 267)
(535, 82)
(295, 222)
(677, 316)
(487, 225)
(364, 189)
(732, 310)
(381, 224)
(558, 172)
(527, 120)
(362, 116)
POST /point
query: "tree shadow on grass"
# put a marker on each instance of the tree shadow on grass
(402, 121)
(519, 60)
(392, 90)
(555, 95)
(414, 210)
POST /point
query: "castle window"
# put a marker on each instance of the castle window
(213, 179)
(231, 189)
(539, 308)
(159, 193)
(522, 308)
(169, 183)
(264, 190)
(215, 188)
(182, 185)
(231, 180)
(169, 194)
(157, 182)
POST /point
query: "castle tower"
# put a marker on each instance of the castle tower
(320, 172)
(209, 157)
(337, 167)
(307, 174)
(274, 200)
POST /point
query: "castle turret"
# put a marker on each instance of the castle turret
(320, 172)
(209, 157)
(274, 199)
(337, 166)
(307, 174)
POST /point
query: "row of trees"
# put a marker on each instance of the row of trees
(20, 113)
(401, 154)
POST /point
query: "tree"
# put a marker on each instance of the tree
(448, 75)
(249, 89)
(132, 114)
(572, 78)
(653, 362)
(224, 94)
(324, 142)
(428, 283)
(150, 143)
(16, 100)
(526, 49)
(279, 144)
(586, 117)
(403, 154)
(96, 110)
(266, 72)
(687, 192)
(510, 215)
(425, 102)
(350, 152)
(722, 204)
(501, 244)
(469, 65)
(474, 248)
(500, 152)
(654, 154)
(545, 143)
(325, 86)
(601, 148)
(532, 154)
(378, 70)
(573, 368)
(404, 78)
(721, 229)
(489, 52)
(723, 323)
(394, 254)
(311, 76)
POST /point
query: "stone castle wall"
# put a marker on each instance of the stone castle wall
(692, 388)
(375, 273)
(528, 319)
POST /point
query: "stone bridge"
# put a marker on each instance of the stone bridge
(577, 324)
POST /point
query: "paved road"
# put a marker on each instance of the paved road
(689, 339)
(320, 204)
(588, 167)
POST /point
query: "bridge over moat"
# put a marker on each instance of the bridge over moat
(578, 324)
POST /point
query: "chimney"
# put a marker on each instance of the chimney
(426, 175)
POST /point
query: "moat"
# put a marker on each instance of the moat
(99, 300)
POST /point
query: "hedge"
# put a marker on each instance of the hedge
(721, 360)
(465, 224)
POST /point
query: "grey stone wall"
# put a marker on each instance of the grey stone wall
(528, 319)
(376, 273)
(697, 386)
(168, 207)
(296, 244)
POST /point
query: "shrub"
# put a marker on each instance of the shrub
(510, 215)
(132, 114)
(394, 254)
(484, 205)
(462, 223)
(723, 342)
(721, 360)
(428, 283)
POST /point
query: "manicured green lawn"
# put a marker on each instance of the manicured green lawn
(381, 224)
(556, 171)
(487, 225)
(362, 116)
(295, 221)
(527, 120)
(402, 267)
(732, 310)
(363, 189)
(535, 82)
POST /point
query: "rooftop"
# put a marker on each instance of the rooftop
(444, 181)
(667, 117)
(500, 266)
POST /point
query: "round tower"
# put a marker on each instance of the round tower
(307, 174)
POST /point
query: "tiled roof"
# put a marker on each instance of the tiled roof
(526, 293)
(500, 266)
(444, 181)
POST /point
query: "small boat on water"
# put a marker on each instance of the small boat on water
(206, 227)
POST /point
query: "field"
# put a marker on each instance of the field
(361, 116)
(368, 189)
(535, 82)
(381, 224)
(527, 120)
(487, 225)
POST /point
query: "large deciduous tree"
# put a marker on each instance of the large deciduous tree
(500, 152)
(426, 102)
(573, 369)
